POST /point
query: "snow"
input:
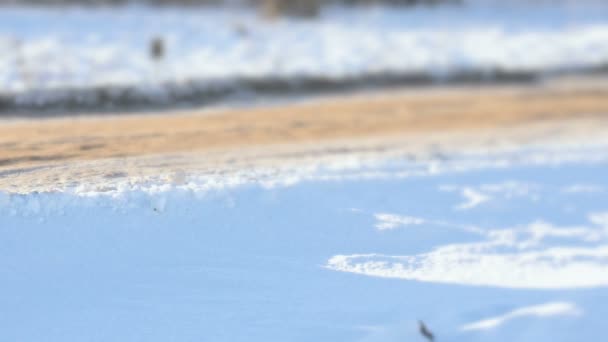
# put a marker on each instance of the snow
(354, 249)
(515, 257)
(473, 199)
(390, 221)
(50, 49)
(543, 310)
(475, 196)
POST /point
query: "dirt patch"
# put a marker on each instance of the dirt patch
(396, 113)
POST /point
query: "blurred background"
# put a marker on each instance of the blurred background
(116, 55)
(471, 162)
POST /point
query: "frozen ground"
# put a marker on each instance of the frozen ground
(507, 246)
(210, 52)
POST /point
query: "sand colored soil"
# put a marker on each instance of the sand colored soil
(388, 114)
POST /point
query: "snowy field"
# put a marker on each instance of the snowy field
(44, 51)
(506, 246)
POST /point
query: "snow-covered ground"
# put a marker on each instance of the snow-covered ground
(505, 246)
(42, 49)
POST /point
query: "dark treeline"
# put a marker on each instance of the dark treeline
(286, 3)
(267, 8)
(310, 8)
(280, 3)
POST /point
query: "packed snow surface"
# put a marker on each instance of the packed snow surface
(346, 252)
(57, 48)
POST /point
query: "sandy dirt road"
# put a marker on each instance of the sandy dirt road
(27, 145)
(38, 142)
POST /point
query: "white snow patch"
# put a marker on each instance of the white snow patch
(472, 199)
(515, 257)
(543, 310)
(391, 221)
(473, 196)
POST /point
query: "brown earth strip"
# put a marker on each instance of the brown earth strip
(398, 113)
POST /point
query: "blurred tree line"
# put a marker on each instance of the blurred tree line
(310, 8)
(282, 3)
(268, 8)
(279, 5)
(216, 2)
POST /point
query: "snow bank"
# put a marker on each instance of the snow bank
(100, 56)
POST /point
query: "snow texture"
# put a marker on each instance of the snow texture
(350, 251)
(544, 310)
(50, 52)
